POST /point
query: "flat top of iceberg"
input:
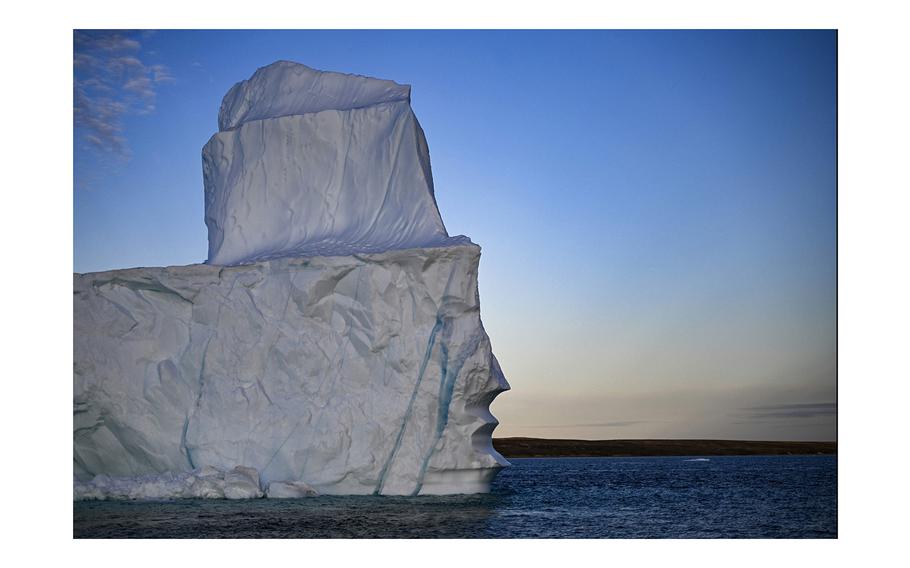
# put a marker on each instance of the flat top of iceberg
(285, 88)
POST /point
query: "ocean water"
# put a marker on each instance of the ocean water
(666, 497)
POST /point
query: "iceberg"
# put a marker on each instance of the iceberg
(312, 163)
(331, 343)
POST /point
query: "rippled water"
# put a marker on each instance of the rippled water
(670, 497)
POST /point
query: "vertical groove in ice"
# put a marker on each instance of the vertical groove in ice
(410, 408)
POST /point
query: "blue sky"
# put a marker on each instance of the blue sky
(657, 210)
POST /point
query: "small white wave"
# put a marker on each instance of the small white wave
(698, 460)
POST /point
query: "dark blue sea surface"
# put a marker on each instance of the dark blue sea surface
(666, 497)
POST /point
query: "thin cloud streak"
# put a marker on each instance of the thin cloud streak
(788, 411)
(617, 424)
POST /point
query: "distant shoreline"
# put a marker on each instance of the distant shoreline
(547, 448)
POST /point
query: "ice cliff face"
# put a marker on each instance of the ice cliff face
(359, 374)
(314, 163)
(331, 344)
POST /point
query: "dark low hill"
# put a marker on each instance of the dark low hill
(544, 448)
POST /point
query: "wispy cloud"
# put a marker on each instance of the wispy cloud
(111, 81)
(788, 411)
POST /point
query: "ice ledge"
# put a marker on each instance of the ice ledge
(333, 248)
(448, 247)
(286, 88)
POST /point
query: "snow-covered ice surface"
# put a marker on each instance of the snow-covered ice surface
(331, 343)
(286, 88)
(312, 163)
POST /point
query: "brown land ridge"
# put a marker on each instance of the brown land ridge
(546, 448)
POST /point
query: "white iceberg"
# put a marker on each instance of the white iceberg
(332, 342)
